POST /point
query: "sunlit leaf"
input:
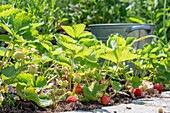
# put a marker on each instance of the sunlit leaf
(136, 19)
(71, 46)
(69, 30)
(6, 28)
(21, 20)
(78, 29)
(84, 33)
(130, 41)
(85, 51)
(63, 61)
(120, 54)
(26, 78)
(41, 82)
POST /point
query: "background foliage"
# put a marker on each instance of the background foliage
(95, 12)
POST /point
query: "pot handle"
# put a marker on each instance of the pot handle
(133, 28)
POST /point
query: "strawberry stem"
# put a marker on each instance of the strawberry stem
(71, 72)
(3, 59)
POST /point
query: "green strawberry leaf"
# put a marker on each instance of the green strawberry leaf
(78, 29)
(119, 54)
(116, 85)
(30, 94)
(6, 28)
(45, 101)
(130, 41)
(69, 30)
(88, 94)
(41, 82)
(19, 90)
(25, 78)
(21, 20)
(9, 72)
(5, 38)
(136, 81)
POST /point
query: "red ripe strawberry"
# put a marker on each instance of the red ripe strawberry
(137, 91)
(158, 87)
(105, 100)
(71, 99)
(100, 82)
(64, 77)
(78, 89)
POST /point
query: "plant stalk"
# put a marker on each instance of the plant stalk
(3, 59)
(164, 22)
(55, 70)
(70, 77)
(74, 89)
(9, 56)
(47, 70)
(42, 68)
(18, 71)
(108, 80)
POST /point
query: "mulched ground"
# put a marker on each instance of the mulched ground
(30, 107)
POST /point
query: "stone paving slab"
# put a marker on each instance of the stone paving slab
(165, 94)
(145, 105)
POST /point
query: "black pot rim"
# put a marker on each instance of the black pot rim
(119, 24)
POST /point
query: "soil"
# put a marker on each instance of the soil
(23, 106)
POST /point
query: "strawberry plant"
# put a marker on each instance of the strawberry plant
(70, 70)
(155, 60)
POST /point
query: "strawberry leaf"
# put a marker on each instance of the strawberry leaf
(9, 72)
(136, 81)
(116, 85)
(41, 82)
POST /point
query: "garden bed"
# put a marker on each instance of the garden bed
(62, 106)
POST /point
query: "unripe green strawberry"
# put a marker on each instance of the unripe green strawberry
(90, 74)
(77, 79)
(99, 95)
(32, 69)
(65, 84)
(144, 87)
(18, 55)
